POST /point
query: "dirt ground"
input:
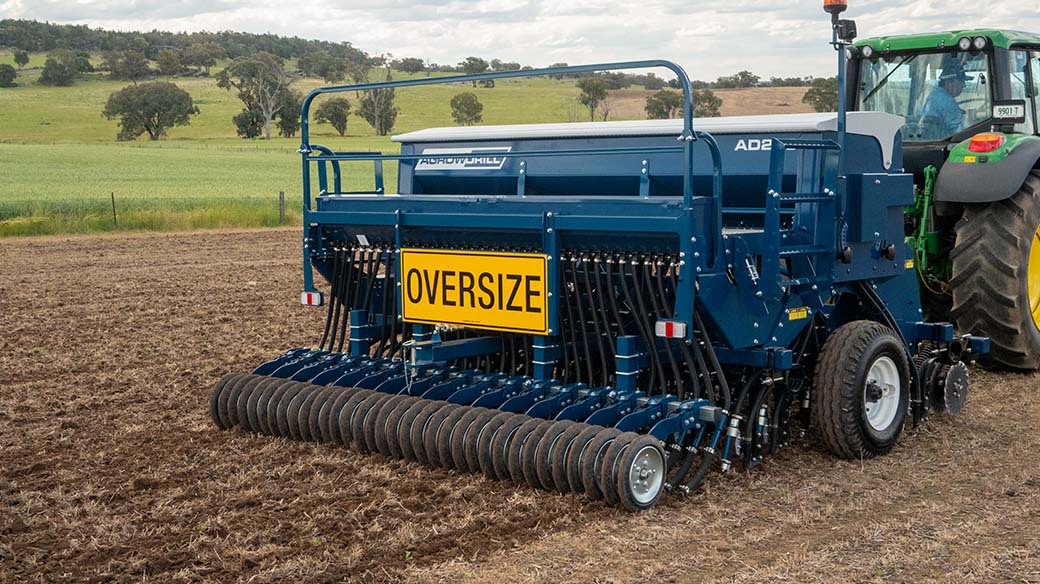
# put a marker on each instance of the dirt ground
(111, 471)
(629, 103)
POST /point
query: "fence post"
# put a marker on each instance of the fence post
(115, 221)
(281, 207)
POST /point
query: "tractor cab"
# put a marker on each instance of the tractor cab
(948, 87)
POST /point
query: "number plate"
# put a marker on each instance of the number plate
(486, 290)
(1013, 111)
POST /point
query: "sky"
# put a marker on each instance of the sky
(708, 38)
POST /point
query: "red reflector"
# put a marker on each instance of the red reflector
(985, 142)
(311, 298)
(670, 329)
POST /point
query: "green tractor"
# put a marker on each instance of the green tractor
(970, 100)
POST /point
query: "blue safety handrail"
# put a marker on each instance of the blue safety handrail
(687, 137)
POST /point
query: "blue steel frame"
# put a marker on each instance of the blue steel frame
(680, 225)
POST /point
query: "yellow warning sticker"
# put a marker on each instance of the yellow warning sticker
(909, 264)
(970, 159)
(798, 313)
(487, 290)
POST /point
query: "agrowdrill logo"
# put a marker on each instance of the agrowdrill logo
(466, 159)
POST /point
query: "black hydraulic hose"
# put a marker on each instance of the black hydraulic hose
(676, 478)
(670, 311)
(347, 298)
(375, 258)
(583, 321)
(596, 314)
(567, 334)
(340, 311)
(333, 290)
(752, 436)
(702, 369)
(603, 288)
(707, 459)
(648, 268)
(638, 318)
(651, 339)
(383, 337)
(394, 340)
(720, 375)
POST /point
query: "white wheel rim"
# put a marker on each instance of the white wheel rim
(882, 413)
(646, 475)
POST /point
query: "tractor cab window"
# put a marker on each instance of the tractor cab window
(1018, 67)
(939, 94)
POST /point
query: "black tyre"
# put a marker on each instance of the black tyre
(457, 441)
(392, 425)
(245, 398)
(303, 416)
(375, 421)
(433, 428)
(230, 399)
(265, 407)
(368, 407)
(608, 467)
(329, 416)
(641, 474)
(560, 450)
(287, 411)
(346, 416)
(576, 456)
(485, 442)
(313, 420)
(996, 276)
(417, 433)
(447, 430)
(260, 395)
(221, 393)
(861, 390)
(471, 441)
(404, 428)
(541, 458)
(593, 458)
(514, 457)
(499, 450)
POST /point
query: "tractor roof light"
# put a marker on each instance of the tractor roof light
(987, 142)
(835, 7)
(964, 44)
(868, 51)
(979, 43)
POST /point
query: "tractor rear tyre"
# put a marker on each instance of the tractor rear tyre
(861, 390)
(996, 276)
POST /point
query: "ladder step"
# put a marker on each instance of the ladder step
(805, 250)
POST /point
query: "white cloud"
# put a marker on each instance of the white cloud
(709, 38)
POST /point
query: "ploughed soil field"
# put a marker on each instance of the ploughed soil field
(111, 471)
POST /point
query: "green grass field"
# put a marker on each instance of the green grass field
(60, 161)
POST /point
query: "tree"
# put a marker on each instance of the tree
(335, 111)
(21, 58)
(663, 105)
(593, 91)
(324, 65)
(61, 68)
(202, 55)
(823, 95)
(410, 65)
(7, 76)
(500, 65)
(467, 109)
(289, 113)
(150, 107)
(473, 66)
(706, 104)
(740, 80)
(378, 109)
(259, 80)
(249, 123)
(131, 65)
(169, 62)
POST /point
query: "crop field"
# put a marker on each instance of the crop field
(61, 163)
(111, 470)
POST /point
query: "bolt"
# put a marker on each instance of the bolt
(755, 325)
(549, 214)
(549, 230)
(548, 295)
(644, 171)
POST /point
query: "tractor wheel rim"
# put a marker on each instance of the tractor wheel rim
(1033, 278)
(885, 374)
(646, 475)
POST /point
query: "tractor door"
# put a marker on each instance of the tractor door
(1024, 74)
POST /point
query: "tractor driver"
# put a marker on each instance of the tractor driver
(941, 116)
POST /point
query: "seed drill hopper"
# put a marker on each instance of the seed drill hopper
(610, 308)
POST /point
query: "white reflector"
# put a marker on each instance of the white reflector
(311, 298)
(670, 329)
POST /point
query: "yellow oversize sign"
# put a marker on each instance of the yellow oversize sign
(488, 290)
